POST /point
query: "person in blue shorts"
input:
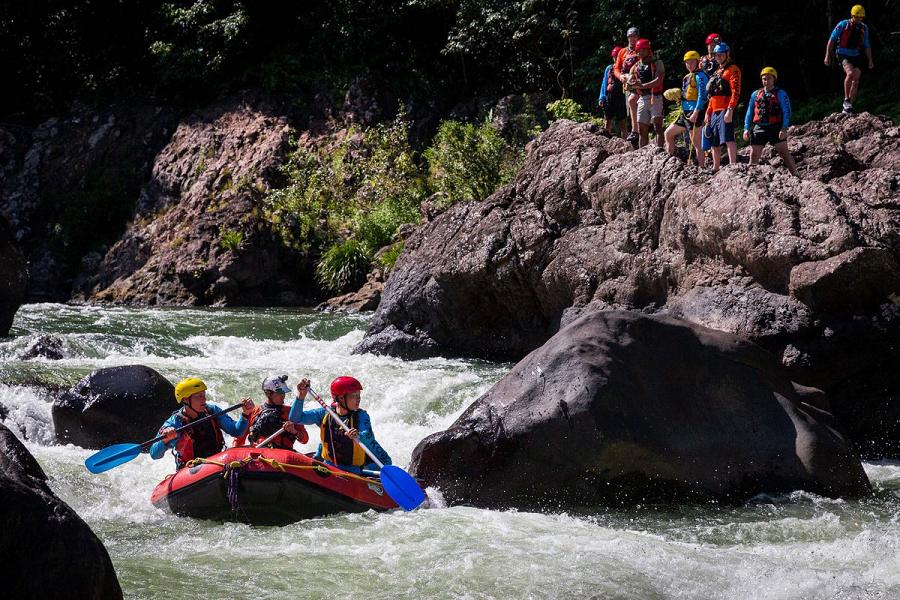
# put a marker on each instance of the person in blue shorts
(768, 115)
(339, 447)
(693, 108)
(847, 43)
(724, 90)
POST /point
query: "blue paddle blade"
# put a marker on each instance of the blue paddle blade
(111, 456)
(401, 487)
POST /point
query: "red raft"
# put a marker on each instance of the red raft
(265, 486)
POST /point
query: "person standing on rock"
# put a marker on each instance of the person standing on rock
(768, 115)
(206, 438)
(724, 90)
(647, 76)
(339, 447)
(271, 416)
(612, 97)
(693, 108)
(708, 62)
(628, 56)
(848, 41)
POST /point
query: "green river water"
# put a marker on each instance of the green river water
(795, 546)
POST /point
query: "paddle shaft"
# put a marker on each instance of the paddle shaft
(192, 423)
(344, 425)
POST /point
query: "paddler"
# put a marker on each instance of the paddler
(272, 416)
(206, 438)
(339, 447)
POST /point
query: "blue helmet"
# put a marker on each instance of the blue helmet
(721, 48)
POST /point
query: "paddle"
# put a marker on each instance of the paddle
(399, 484)
(117, 454)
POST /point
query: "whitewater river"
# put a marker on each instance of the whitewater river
(797, 546)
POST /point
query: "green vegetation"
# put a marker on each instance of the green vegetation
(566, 108)
(230, 239)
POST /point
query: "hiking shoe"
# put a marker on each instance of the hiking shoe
(847, 106)
(632, 136)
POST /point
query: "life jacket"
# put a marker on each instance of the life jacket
(336, 446)
(267, 419)
(646, 72)
(689, 89)
(767, 109)
(631, 58)
(709, 65)
(613, 85)
(852, 36)
(719, 85)
(200, 441)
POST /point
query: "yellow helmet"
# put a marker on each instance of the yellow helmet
(188, 387)
(691, 54)
(858, 11)
(769, 71)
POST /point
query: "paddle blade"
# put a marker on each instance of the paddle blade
(401, 487)
(111, 456)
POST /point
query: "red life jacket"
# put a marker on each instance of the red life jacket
(766, 108)
(200, 441)
(852, 36)
(284, 440)
(613, 85)
(646, 72)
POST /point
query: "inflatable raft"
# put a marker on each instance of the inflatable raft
(265, 486)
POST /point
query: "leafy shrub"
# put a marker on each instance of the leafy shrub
(469, 162)
(343, 265)
(566, 108)
(389, 257)
(230, 239)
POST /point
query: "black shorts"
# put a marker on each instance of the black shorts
(856, 61)
(760, 135)
(684, 122)
(614, 108)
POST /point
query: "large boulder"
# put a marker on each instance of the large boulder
(13, 278)
(749, 250)
(112, 405)
(620, 407)
(47, 550)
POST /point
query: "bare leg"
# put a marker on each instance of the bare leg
(755, 153)
(696, 132)
(717, 157)
(732, 152)
(632, 107)
(854, 84)
(658, 126)
(672, 132)
(645, 135)
(782, 149)
(623, 128)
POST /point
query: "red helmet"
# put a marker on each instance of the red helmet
(345, 385)
(712, 38)
(642, 44)
(615, 51)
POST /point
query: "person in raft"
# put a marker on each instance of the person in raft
(206, 438)
(339, 447)
(272, 416)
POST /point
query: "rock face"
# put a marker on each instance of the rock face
(750, 251)
(620, 407)
(112, 405)
(45, 346)
(198, 236)
(13, 278)
(48, 551)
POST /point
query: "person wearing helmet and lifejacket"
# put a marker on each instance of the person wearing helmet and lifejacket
(724, 90)
(628, 56)
(693, 107)
(271, 416)
(206, 438)
(646, 80)
(847, 43)
(612, 97)
(339, 447)
(708, 62)
(768, 115)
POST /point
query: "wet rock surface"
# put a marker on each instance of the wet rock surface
(592, 418)
(48, 551)
(113, 405)
(13, 277)
(586, 226)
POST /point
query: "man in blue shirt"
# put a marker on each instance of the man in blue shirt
(768, 115)
(339, 447)
(848, 42)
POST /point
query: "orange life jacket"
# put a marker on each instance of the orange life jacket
(337, 447)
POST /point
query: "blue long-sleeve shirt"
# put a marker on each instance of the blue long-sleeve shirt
(604, 83)
(176, 420)
(688, 106)
(836, 37)
(364, 426)
(783, 101)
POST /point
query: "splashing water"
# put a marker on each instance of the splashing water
(796, 546)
